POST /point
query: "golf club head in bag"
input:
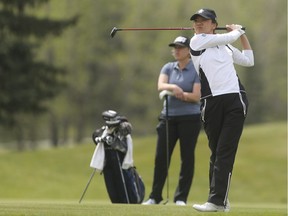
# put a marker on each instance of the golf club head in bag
(111, 118)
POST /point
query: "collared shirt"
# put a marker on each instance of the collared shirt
(215, 62)
(185, 79)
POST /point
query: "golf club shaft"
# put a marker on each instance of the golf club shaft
(152, 29)
(114, 30)
(123, 179)
(167, 148)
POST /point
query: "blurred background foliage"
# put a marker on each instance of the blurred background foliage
(60, 69)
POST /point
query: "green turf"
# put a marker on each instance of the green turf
(62, 208)
(259, 182)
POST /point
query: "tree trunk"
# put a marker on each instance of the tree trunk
(54, 134)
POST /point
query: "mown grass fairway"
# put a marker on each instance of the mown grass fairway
(50, 182)
(53, 208)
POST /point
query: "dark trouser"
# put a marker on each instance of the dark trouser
(223, 118)
(186, 129)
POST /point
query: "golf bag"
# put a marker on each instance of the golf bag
(113, 157)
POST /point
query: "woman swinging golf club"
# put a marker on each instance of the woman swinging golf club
(179, 119)
(223, 99)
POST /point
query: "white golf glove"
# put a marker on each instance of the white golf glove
(236, 27)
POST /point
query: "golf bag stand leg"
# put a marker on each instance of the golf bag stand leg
(167, 147)
(92, 175)
(122, 177)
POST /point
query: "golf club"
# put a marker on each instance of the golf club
(115, 29)
(165, 94)
(123, 179)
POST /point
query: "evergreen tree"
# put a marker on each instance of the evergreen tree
(25, 82)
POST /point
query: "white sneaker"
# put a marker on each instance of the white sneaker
(180, 203)
(210, 207)
(227, 207)
(150, 202)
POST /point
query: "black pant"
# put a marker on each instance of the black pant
(186, 129)
(223, 118)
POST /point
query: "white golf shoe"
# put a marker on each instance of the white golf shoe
(180, 203)
(210, 207)
(150, 202)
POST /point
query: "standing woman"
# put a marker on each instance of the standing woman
(223, 99)
(180, 78)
